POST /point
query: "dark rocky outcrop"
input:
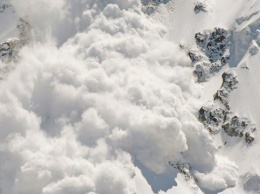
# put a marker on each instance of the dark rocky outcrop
(229, 81)
(214, 46)
(200, 7)
(236, 126)
(185, 169)
(218, 116)
(214, 43)
(212, 117)
(4, 6)
(201, 73)
(249, 138)
(222, 95)
(194, 56)
(9, 50)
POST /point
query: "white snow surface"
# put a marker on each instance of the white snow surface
(102, 98)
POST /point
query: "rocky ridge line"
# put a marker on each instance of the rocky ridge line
(218, 117)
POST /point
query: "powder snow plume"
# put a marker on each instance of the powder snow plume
(99, 101)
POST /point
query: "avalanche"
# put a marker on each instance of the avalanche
(134, 96)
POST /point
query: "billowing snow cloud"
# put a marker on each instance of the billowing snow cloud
(98, 88)
(224, 175)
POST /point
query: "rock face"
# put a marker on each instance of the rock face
(9, 50)
(201, 73)
(229, 81)
(237, 127)
(214, 47)
(249, 138)
(195, 56)
(214, 44)
(10, 45)
(185, 169)
(218, 117)
(4, 7)
(222, 96)
(200, 7)
(212, 117)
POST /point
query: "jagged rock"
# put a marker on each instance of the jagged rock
(202, 114)
(224, 60)
(212, 117)
(249, 138)
(4, 6)
(200, 7)
(214, 68)
(194, 56)
(239, 127)
(222, 95)
(201, 39)
(183, 168)
(9, 49)
(214, 44)
(200, 73)
(235, 127)
(229, 81)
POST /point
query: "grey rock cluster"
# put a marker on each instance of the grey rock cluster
(239, 127)
(200, 7)
(185, 169)
(214, 46)
(4, 7)
(217, 117)
(9, 50)
(229, 81)
(212, 117)
(214, 43)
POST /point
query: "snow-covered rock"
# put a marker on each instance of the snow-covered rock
(9, 49)
(212, 117)
(214, 43)
(229, 81)
(200, 7)
(108, 99)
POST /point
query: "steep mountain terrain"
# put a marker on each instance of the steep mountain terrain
(222, 40)
(129, 97)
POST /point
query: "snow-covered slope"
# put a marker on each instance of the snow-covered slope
(129, 97)
(241, 19)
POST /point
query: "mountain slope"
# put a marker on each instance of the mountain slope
(124, 97)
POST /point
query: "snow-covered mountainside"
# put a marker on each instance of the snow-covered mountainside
(129, 97)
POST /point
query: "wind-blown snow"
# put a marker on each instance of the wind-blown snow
(99, 89)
